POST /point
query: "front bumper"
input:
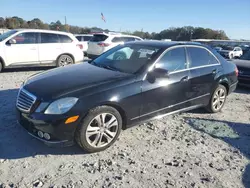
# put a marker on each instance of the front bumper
(61, 134)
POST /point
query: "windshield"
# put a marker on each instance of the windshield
(246, 56)
(128, 59)
(7, 34)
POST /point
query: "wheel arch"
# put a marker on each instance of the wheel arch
(2, 62)
(225, 84)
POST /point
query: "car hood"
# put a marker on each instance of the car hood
(67, 80)
(242, 63)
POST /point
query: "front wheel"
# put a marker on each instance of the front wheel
(99, 130)
(217, 100)
(1, 67)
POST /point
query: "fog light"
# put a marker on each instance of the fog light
(40, 134)
(46, 136)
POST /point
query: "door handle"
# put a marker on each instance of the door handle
(185, 79)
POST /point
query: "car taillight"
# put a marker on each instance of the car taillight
(236, 71)
(102, 44)
(80, 46)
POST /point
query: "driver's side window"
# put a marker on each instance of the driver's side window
(173, 60)
(26, 38)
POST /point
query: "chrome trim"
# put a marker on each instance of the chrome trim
(18, 104)
(183, 46)
(170, 106)
(177, 111)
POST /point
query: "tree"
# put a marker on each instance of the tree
(2, 22)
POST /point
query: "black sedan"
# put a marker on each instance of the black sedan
(90, 103)
(243, 65)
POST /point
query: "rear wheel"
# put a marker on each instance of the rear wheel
(100, 129)
(217, 100)
(64, 60)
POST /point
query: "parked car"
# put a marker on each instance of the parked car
(84, 39)
(243, 65)
(33, 47)
(218, 49)
(95, 101)
(101, 42)
(231, 52)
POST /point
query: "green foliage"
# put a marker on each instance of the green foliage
(185, 33)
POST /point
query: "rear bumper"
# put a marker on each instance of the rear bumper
(60, 133)
(244, 80)
(232, 87)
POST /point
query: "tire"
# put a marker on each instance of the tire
(92, 135)
(231, 56)
(217, 100)
(1, 66)
(64, 60)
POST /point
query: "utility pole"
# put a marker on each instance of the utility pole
(65, 19)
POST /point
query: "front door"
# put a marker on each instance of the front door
(168, 93)
(24, 51)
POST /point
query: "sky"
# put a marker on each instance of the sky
(232, 16)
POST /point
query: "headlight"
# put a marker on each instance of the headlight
(61, 106)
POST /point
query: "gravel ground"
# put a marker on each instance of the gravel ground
(194, 149)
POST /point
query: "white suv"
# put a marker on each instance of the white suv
(101, 42)
(32, 47)
(83, 40)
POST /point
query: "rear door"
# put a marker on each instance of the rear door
(49, 47)
(97, 44)
(24, 51)
(204, 71)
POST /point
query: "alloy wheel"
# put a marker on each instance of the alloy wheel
(102, 130)
(219, 99)
(65, 60)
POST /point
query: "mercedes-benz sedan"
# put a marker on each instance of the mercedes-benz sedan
(91, 103)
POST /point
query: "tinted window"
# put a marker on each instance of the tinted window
(87, 38)
(127, 58)
(26, 38)
(173, 60)
(49, 38)
(118, 39)
(65, 39)
(79, 38)
(98, 38)
(200, 57)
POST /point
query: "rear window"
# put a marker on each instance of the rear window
(49, 38)
(79, 38)
(65, 39)
(98, 38)
(87, 38)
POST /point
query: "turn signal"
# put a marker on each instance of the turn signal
(71, 119)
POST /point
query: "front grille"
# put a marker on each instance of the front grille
(25, 101)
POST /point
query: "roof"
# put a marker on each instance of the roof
(42, 30)
(83, 34)
(115, 34)
(165, 44)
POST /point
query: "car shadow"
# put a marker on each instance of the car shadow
(242, 90)
(27, 69)
(15, 142)
(233, 133)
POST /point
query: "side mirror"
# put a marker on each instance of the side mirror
(157, 73)
(12, 41)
